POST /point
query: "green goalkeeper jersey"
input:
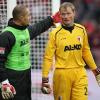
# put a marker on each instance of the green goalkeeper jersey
(19, 56)
(70, 49)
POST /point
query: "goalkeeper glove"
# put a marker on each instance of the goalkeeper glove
(56, 17)
(97, 75)
(7, 90)
(45, 86)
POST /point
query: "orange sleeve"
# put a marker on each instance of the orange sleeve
(48, 55)
(86, 53)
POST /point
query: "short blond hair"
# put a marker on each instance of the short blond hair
(67, 4)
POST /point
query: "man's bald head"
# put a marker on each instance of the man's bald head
(21, 15)
(19, 11)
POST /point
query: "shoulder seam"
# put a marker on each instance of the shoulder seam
(81, 28)
(57, 32)
(56, 35)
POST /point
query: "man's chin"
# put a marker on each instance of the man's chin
(67, 24)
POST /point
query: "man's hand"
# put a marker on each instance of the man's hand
(97, 75)
(45, 86)
(56, 17)
(8, 91)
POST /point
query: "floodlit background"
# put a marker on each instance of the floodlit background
(88, 14)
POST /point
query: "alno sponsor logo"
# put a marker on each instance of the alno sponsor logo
(72, 47)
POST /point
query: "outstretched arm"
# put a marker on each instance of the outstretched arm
(43, 25)
(40, 27)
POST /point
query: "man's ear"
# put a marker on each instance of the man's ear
(75, 14)
(21, 18)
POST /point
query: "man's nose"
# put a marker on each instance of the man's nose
(65, 16)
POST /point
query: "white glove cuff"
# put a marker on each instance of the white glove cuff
(98, 79)
(5, 82)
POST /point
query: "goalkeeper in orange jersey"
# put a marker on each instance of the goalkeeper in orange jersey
(68, 43)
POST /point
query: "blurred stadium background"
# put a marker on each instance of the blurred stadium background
(88, 14)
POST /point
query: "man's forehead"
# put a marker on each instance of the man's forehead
(66, 9)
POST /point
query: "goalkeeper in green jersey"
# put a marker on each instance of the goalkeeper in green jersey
(15, 66)
(68, 43)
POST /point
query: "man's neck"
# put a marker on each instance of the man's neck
(17, 22)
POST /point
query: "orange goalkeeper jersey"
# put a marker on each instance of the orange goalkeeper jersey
(70, 49)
